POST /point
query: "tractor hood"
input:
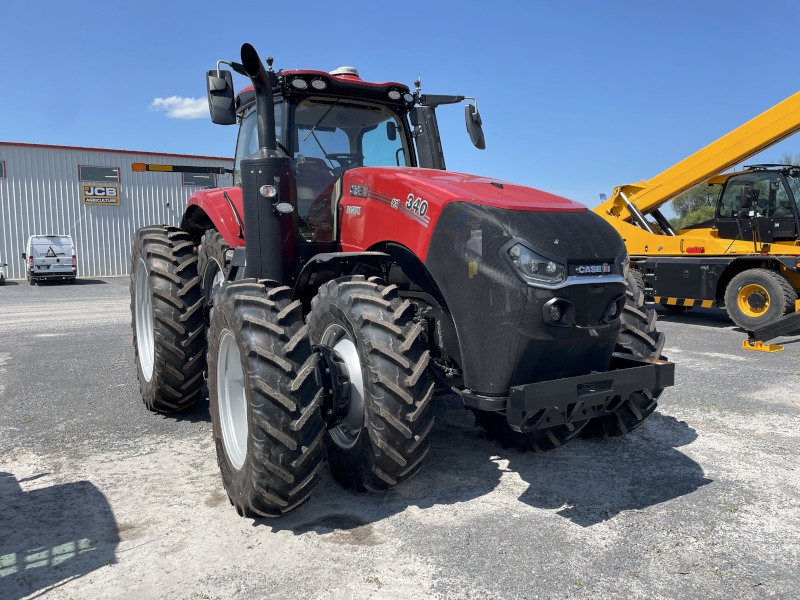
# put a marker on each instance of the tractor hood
(445, 186)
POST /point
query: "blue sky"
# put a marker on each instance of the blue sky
(576, 97)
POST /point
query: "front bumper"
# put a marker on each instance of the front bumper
(560, 401)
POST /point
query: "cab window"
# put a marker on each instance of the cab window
(334, 135)
(772, 201)
(247, 143)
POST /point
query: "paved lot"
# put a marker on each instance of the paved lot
(101, 499)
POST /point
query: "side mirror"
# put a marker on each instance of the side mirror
(391, 130)
(603, 197)
(474, 126)
(221, 97)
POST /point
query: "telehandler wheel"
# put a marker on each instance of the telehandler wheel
(167, 318)
(637, 336)
(758, 296)
(212, 262)
(265, 403)
(383, 433)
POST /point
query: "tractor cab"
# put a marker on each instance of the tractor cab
(329, 123)
(760, 203)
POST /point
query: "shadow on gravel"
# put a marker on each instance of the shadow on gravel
(590, 481)
(51, 535)
(704, 317)
(78, 281)
(199, 412)
(586, 481)
(10, 282)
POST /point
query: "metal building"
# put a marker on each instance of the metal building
(93, 195)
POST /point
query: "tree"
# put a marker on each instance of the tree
(788, 159)
(695, 206)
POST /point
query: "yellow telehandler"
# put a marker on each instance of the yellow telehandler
(747, 258)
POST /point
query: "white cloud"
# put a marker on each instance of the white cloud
(182, 108)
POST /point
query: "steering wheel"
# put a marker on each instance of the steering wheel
(345, 159)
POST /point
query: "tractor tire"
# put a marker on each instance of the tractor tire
(167, 318)
(750, 288)
(541, 440)
(212, 261)
(637, 336)
(265, 403)
(383, 438)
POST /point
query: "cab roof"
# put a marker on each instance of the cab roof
(340, 85)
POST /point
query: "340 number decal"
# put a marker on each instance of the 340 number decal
(417, 205)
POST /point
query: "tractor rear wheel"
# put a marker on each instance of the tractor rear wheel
(758, 296)
(382, 436)
(637, 336)
(167, 318)
(212, 261)
(265, 403)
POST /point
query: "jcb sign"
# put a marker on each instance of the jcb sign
(107, 195)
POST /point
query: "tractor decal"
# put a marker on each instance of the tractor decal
(415, 209)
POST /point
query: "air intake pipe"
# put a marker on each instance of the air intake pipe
(271, 237)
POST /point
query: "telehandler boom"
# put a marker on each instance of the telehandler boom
(747, 258)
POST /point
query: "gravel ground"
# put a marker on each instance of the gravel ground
(101, 499)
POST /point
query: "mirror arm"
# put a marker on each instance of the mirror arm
(238, 67)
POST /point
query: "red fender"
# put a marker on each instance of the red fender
(218, 210)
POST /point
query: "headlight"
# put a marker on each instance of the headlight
(299, 84)
(394, 95)
(536, 268)
(318, 84)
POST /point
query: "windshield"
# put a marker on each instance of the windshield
(334, 135)
(794, 186)
(772, 201)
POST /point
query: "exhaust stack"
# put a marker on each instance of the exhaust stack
(271, 239)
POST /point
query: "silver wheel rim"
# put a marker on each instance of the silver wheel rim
(345, 434)
(232, 400)
(145, 338)
(213, 277)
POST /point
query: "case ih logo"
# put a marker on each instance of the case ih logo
(593, 269)
(107, 195)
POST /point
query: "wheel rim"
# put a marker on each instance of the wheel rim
(345, 434)
(753, 300)
(232, 400)
(145, 338)
(213, 278)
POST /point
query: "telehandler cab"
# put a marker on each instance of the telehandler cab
(346, 279)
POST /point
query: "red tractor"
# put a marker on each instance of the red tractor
(347, 278)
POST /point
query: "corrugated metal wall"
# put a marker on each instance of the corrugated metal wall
(41, 194)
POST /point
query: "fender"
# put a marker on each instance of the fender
(209, 208)
(332, 265)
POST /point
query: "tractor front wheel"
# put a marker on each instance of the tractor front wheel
(265, 403)
(758, 296)
(381, 435)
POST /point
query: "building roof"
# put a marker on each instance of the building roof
(112, 150)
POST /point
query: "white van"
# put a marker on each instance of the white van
(3, 273)
(50, 257)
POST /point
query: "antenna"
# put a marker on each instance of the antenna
(418, 84)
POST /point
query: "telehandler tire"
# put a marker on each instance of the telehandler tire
(264, 400)
(212, 261)
(383, 437)
(167, 318)
(637, 336)
(758, 296)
